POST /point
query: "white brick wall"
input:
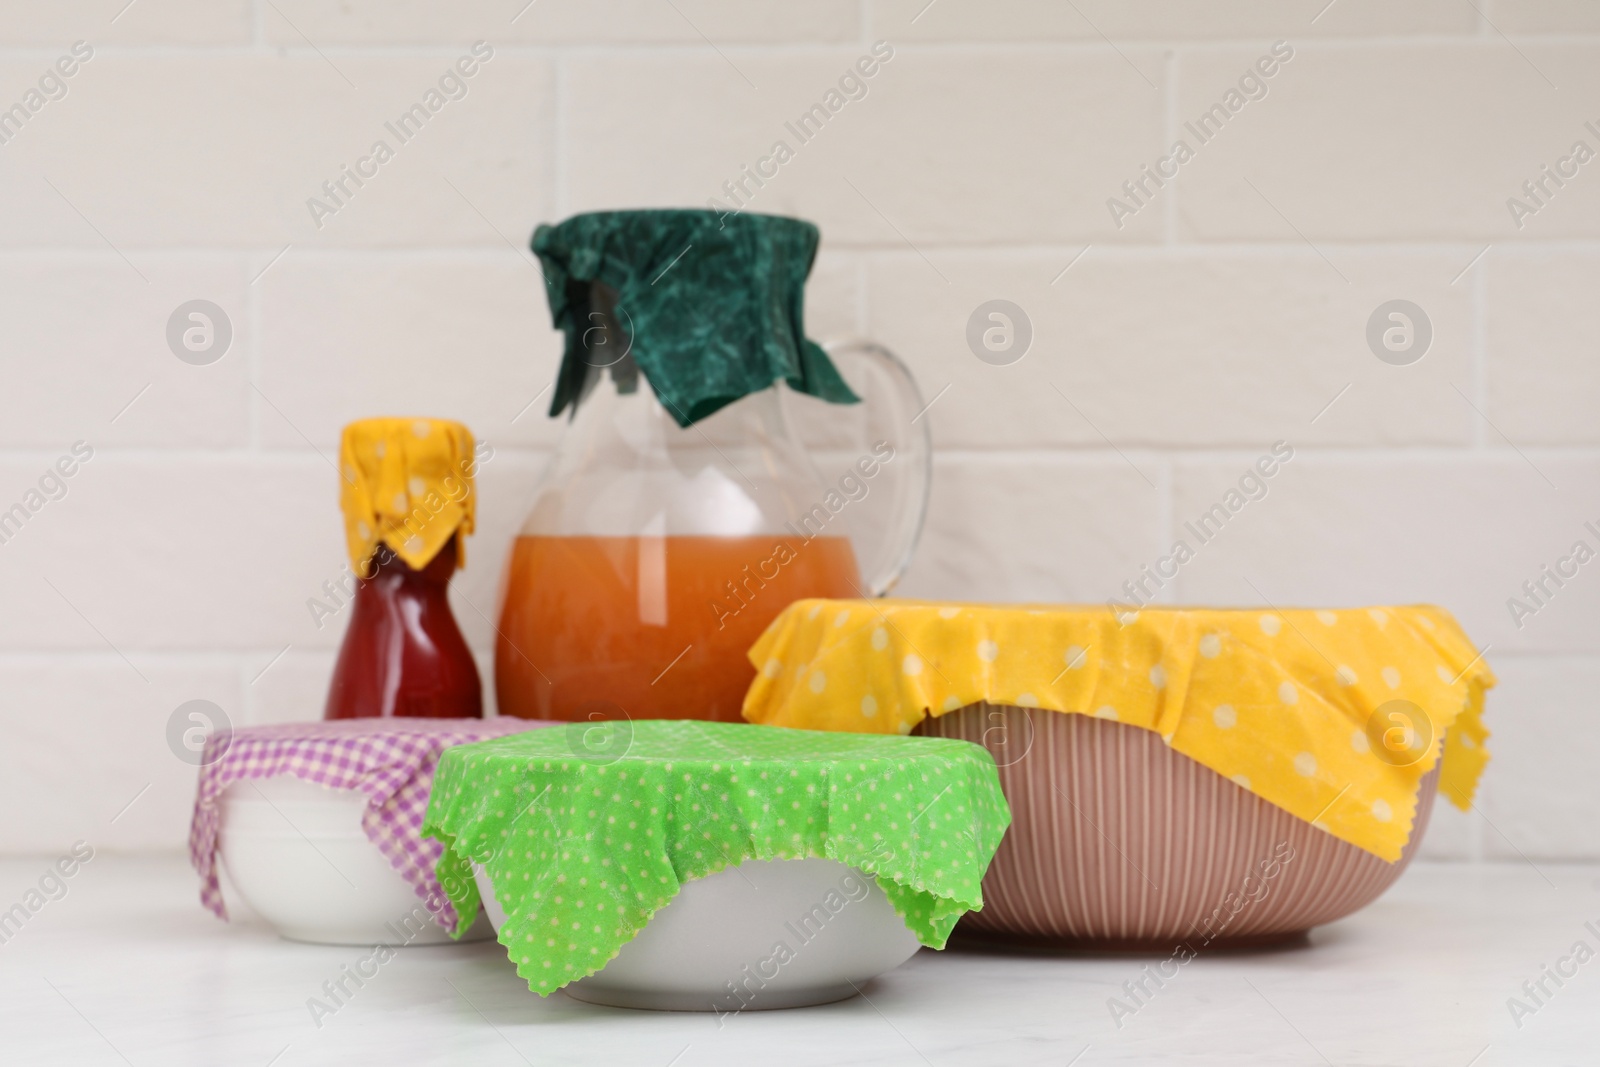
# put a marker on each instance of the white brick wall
(1227, 313)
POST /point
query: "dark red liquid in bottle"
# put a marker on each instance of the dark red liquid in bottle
(403, 655)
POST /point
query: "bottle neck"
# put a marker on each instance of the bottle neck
(386, 575)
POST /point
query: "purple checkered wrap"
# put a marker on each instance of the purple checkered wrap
(390, 760)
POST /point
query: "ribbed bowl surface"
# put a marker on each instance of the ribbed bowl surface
(1118, 841)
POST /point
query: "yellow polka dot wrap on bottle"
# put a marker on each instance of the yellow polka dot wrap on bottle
(584, 844)
(406, 483)
(1310, 710)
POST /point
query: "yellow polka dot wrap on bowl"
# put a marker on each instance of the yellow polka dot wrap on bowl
(1292, 705)
(406, 483)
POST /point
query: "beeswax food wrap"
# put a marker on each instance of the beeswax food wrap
(390, 760)
(711, 306)
(1296, 706)
(584, 847)
(406, 483)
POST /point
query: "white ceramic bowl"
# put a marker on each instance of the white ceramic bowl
(296, 853)
(712, 947)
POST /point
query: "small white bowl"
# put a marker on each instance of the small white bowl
(296, 853)
(712, 947)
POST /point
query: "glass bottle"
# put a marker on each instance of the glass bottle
(403, 655)
(408, 499)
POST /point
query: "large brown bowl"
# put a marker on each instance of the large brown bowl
(1118, 842)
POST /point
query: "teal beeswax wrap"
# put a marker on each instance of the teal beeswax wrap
(711, 305)
(585, 842)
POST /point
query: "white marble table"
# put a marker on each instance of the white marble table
(127, 969)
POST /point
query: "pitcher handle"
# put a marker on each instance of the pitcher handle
(908, 476)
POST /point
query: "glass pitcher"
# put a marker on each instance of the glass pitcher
(681, 511)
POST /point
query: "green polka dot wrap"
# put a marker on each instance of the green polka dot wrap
(585, 843)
